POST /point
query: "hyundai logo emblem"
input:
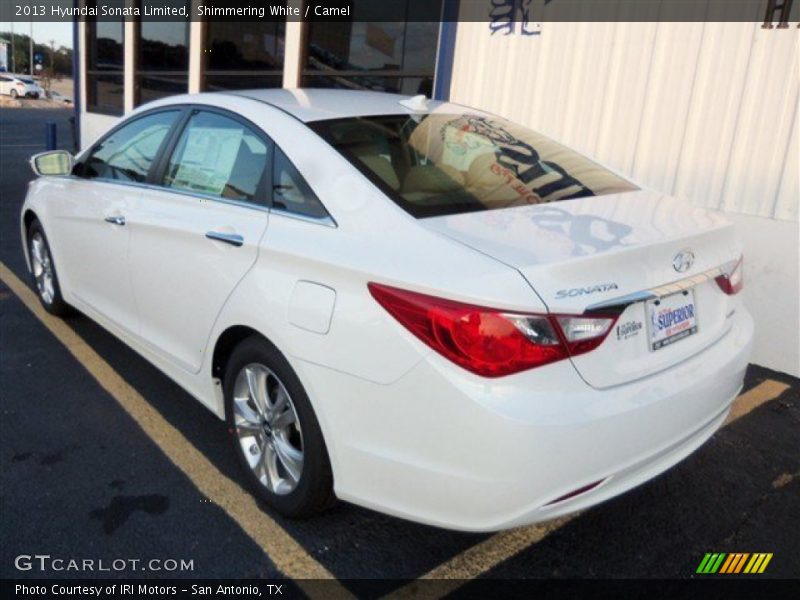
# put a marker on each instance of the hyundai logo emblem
(683, 261)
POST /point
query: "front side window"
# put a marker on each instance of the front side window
(290, 192)
(219, 156)
(128, 153)
(443, 164)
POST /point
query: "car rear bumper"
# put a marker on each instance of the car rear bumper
(446, 448)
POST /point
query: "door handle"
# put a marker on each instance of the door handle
(234, 239)
(118, 220)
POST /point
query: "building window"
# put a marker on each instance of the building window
(387, 54)
(244, 55)
(105, 64)
(162, 60)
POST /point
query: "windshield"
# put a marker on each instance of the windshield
(443, 164)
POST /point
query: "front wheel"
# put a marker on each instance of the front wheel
(13, 94)
(275, 431)
(43, 269)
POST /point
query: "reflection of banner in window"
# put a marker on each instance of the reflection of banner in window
(462, 147)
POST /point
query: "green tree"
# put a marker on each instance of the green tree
(62, 57)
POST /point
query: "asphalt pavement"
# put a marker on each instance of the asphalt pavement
(103, 457)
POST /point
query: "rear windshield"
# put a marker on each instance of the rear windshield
(444, 164)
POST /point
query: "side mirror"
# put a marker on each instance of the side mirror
(55, 162)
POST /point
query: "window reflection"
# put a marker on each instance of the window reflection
(128, 153)
(105, 82)
(163, 57)
(386, 54)
(244, 55)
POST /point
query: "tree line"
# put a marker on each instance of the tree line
(57, 60)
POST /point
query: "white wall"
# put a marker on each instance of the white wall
(771, 284)
(93, 126)
(704, 111)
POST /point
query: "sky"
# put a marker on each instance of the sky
(43, 32)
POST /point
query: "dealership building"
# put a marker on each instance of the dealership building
(704, 111)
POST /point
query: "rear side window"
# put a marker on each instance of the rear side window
(219, 156)
(290, 192)
(444, 164)
(128, 153)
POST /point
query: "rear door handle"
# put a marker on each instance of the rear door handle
(234, 239)
(117, 220)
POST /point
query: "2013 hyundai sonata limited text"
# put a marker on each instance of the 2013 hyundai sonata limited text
(411, 305)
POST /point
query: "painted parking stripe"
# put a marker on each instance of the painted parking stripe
(750, 400)
(484, 556)
(287, 555)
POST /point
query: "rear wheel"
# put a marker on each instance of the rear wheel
(43, 269)
(275, 431)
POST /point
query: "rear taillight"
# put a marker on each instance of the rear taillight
(491, 342)
(732, 281)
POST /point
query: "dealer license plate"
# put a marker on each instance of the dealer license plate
(671, 318)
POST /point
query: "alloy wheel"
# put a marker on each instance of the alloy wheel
(42, 268)
(268, 429)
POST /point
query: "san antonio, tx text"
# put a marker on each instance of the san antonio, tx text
(129, 589)
(202, 10)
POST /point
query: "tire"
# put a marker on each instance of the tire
(43, 271)
(272, 436)
(13, 94)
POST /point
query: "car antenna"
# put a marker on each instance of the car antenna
(416, 103)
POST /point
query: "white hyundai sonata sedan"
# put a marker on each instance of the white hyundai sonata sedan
(411, 305)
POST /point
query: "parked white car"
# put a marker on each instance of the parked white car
(411, 305)
(19, 86)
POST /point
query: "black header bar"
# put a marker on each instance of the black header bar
(779, 13)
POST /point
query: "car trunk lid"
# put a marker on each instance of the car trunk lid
(606, 254)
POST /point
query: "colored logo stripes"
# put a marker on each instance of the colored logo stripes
(735, 562)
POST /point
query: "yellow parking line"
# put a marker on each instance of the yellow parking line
(752, 399)
(478, 559)
(285, 553)
(486, 555)
(784, 479)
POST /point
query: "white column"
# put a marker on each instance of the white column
(196, 59)
(83, 61)
(293, 50)
(130, 65)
